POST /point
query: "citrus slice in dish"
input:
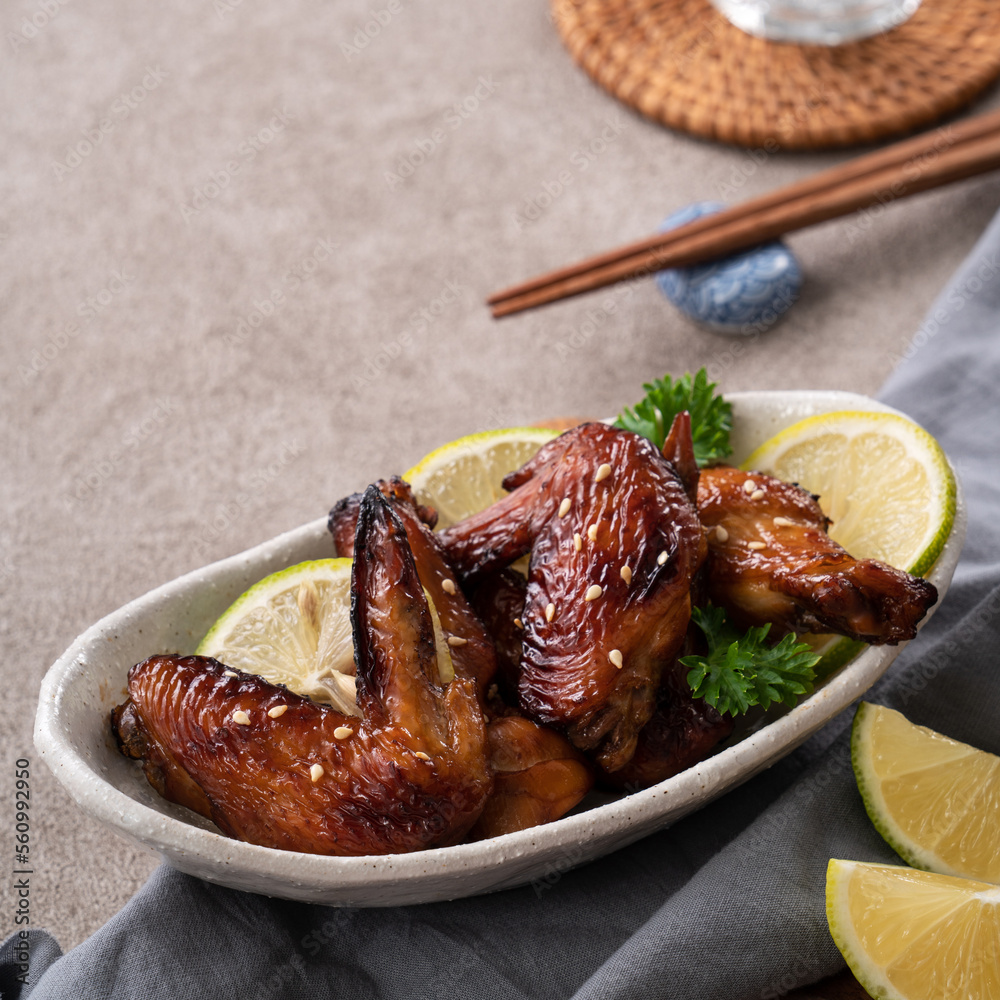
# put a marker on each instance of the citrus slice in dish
(293, 628)
(464, 476)
(935, 800)
(882, 480)
(913, 935)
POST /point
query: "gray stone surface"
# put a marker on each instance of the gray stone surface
(146, 430)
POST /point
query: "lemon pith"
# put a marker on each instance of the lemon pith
(294, 628)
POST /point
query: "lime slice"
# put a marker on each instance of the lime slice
(913, 935)
(464, 477)
(935, 800)
(293, 628)
(883, 481)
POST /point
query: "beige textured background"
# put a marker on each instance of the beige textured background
(136, 408)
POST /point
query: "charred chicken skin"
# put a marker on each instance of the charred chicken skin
(281, 771)
(538, 775)
(771, 560)
(471, 647)
(615, 542)
(343, 519)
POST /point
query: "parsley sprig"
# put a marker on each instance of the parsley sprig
(741, 671)
(711, 415)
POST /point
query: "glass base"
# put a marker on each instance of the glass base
(816, 22)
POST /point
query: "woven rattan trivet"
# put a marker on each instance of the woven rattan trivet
(680, 62)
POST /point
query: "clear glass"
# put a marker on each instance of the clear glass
(822, 22)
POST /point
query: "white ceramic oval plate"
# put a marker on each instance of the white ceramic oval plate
(73, 736)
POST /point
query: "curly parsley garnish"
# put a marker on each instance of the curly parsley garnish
(741, 671)
(711, 415)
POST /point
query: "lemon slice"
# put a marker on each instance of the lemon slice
(883, 481)
(935, 800)
(293, 628)
(464, 476)
(912, 935)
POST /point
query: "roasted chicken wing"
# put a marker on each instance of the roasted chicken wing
(539, 777)
(343, 519)
(279, 770)
(771, 560)
(499, 601)
(615, 541)
(470, 646)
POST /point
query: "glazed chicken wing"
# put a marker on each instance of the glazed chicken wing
(282, 771)
(343, 519)
(771, 560)
(538, 775)
(471, 648)
(615, 542)
(499, 601)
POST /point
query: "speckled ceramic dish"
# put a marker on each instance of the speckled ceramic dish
(73, 737)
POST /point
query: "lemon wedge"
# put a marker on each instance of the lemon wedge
(883, 481)
(914, 935)
(935, 800)
(293, 628)
(464, 476)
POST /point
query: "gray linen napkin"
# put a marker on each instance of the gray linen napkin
(727, 903)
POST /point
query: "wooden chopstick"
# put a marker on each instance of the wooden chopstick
(905, 168)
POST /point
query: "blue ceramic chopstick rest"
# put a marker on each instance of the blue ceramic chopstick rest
(739, 295)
